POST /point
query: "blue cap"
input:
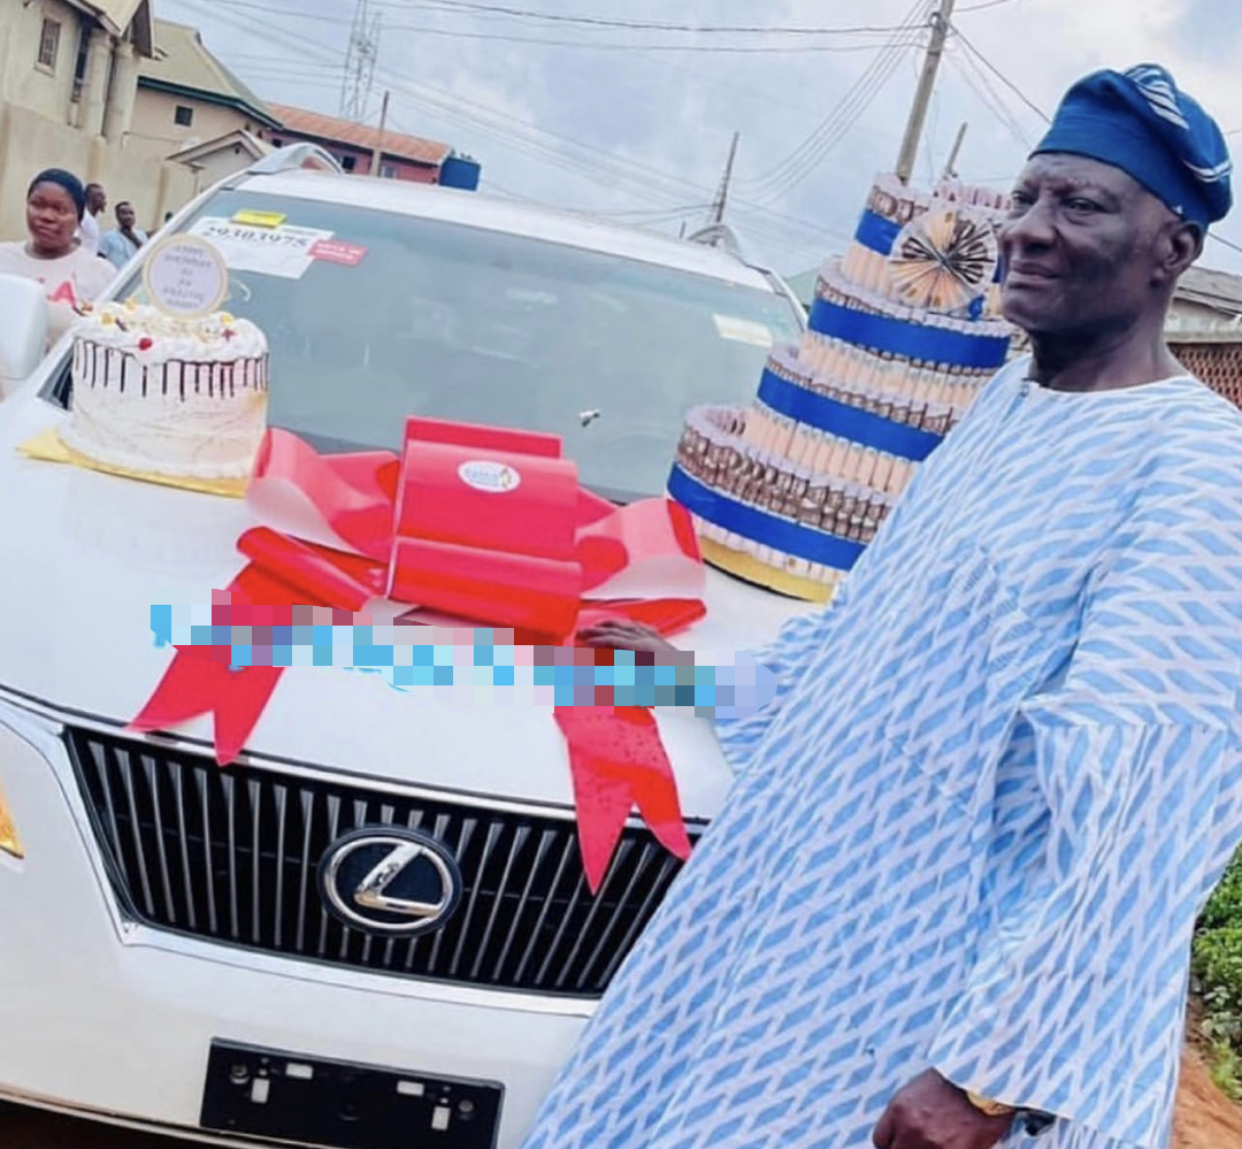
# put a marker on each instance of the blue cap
(1140, 122)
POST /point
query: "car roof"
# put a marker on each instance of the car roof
(476, 209)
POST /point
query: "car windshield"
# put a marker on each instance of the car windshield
(399, 315)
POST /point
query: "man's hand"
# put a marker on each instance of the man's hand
(932, 1113)
(621, 634)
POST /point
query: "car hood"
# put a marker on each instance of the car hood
(86, 555)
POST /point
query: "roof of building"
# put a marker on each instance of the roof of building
(118, 15)
(246, 141)
(330, 129)
(1218, 290)
(182, 64)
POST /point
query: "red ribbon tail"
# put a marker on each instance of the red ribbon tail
(617, 762)
(195, 684)
(603, 807)
(655, 787)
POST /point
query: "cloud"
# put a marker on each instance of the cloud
(629, 129)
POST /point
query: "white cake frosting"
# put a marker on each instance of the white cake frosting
(178, 397)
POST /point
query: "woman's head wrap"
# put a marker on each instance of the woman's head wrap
(62, 179)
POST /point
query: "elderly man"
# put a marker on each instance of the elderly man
(949, 902)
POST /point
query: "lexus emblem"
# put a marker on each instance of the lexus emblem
(391, 881)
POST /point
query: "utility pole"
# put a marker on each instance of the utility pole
(923, 93)
(377, 157)
(722, 195)
(950, 169)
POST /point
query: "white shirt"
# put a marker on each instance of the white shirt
(89, 233)
(77, 278)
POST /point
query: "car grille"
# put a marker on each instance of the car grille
(231, 855)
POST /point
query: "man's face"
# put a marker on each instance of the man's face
(96, 199)
(1081, 248)
(125, 216)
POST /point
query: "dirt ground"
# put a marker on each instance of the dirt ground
(1205, 1120)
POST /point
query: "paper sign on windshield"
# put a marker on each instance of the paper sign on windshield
(334, 251)
(743, 330)
(260, 218)
(284, 251)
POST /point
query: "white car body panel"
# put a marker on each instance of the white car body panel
(104, 1016)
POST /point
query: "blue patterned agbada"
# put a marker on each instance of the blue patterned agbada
(974, 830)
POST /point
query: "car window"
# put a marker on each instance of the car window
(397, 315)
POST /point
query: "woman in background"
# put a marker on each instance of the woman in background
(71, 275)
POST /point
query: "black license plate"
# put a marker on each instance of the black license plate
(287, 1097)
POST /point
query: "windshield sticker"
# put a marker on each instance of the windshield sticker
(334, 251)
(260, 218)
(743, 330)
(283, 251)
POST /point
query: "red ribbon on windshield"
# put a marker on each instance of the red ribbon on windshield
(483, 524)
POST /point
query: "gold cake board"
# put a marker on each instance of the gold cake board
(49, 447)
(747, 567)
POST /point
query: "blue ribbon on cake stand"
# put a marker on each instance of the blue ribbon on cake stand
(907, 339)
(760, 526)
(845, 421)
(877, 233)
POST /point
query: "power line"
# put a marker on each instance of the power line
(1227, 242)
(424, 30)
(811, 151)
(1001, 75)
(988, 96)
(779, 183)
(989, 4)
(607, 171)
(644, 25)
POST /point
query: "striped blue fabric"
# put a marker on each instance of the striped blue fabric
(973, 831)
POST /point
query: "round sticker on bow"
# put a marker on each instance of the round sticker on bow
(495, 478)
(186, 277)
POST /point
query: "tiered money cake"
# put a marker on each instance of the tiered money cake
(903, 331)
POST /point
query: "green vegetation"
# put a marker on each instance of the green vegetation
(1217, 969)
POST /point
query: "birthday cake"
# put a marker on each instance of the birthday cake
(904, 330)
(168, 396)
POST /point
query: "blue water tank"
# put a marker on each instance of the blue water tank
(460, 172)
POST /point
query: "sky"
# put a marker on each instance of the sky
(562, 106)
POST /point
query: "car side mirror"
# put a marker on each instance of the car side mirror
(23, 329)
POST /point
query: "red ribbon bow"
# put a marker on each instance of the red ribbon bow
(478, 523)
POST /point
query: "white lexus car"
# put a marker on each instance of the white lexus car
(169, 958)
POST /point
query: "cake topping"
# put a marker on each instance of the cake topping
(136, 327)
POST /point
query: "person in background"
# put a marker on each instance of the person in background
(70, 273)
(89, 230)
(119, 245)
